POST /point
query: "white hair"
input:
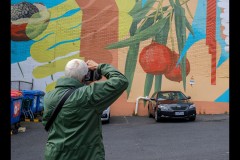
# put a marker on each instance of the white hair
(76, 68)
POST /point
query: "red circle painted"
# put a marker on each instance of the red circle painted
(155, 58)
(175, 73)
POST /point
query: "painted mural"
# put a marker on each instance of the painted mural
(157, 44)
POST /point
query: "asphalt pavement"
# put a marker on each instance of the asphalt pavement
(141, 138)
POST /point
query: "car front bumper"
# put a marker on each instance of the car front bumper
(177, 114)
(104, 117)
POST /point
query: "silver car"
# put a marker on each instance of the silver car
(106, 115)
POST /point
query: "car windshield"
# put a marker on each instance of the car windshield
(171, 96)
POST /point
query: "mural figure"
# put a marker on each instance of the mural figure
(99, 28)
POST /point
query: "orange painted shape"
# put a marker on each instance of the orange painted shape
(213, 66)
(99, 28)
(211, 36)
(211, 21)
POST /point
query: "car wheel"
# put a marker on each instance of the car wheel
(149, 114)
(156, 116)
(192, 119)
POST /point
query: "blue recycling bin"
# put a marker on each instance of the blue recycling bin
(32, 96)
(40, 96)
(16, 105)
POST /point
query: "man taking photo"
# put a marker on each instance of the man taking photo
(76, 132)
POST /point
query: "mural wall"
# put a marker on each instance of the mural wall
(159, 45)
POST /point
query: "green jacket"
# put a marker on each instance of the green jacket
(76, 133)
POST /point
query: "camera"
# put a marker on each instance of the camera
(92, 76)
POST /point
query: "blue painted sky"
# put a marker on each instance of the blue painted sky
(47, 3)
(224, 97)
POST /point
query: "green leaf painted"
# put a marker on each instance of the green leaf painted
(148, 23)
(178, 3)
(133, 28)
(136, 8)
(131, 59)
(180, 25)
(148, 85)
(141, 36)
(183, 70)
(183, 64)
(188, 25)
(158, 83)
(150, 20)
(131, 65)
(162, 36)
(172, 3)
(139, 13)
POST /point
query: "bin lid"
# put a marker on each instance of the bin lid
(16, 93)
(33, 92)
(27, 92)
(39, 92)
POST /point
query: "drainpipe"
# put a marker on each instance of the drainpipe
(144, 98)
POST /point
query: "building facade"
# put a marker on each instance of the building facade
(159, 45)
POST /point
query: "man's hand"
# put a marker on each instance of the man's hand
(92, 65)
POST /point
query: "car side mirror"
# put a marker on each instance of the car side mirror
(188, 97)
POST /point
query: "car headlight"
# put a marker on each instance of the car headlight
(104, 112)
(164, 108)
(192, 106)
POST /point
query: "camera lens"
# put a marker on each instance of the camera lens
(93, 76)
